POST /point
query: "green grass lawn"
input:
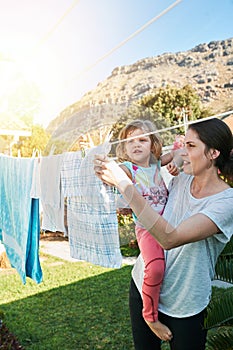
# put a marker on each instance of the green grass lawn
(78, 306)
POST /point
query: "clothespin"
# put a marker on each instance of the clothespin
(36, 153)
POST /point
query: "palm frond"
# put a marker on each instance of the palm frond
(228, 248)
(220, 338)
(224, 268)
(220, 310)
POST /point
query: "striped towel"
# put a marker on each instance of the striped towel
(92, 219)
(69, 173)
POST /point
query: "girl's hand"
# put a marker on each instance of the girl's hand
(173, 168)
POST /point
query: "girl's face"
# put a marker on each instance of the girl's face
(194, 157)
(138, 149)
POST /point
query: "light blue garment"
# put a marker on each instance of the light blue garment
(19, 217)
(150, 184)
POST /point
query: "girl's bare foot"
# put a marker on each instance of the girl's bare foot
(162, 331)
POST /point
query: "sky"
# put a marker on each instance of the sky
(66, 47)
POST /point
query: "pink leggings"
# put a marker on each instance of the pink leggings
(153, 256)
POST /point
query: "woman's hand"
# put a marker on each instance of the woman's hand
(109, 172)
(99, 166)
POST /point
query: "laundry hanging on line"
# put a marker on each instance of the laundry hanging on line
(19, 217)
(91, 212)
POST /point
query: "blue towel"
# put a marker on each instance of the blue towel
(19, 217)
(33, 268)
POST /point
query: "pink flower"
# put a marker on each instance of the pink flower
(179, 142)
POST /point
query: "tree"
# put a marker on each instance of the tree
(166, 101)
(36, 142)
(166, 107)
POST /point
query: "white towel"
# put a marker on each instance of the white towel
(52, 199)
(50, 180)
(36, 187)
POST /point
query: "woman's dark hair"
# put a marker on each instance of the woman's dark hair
(216, 134)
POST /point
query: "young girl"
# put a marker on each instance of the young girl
(142, 160)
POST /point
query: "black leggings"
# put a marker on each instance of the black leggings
(188, 333)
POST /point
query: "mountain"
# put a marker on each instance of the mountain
(208, 68)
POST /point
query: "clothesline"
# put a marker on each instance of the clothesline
(223, 115)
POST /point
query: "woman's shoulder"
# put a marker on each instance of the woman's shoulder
(180, 180)
(226, 193)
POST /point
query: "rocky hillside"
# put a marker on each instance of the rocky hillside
(207, 67)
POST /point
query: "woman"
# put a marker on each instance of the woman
(194, 228)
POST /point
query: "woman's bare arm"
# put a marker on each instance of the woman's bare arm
(193, 229)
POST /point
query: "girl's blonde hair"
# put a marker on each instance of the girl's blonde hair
(146, 126)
